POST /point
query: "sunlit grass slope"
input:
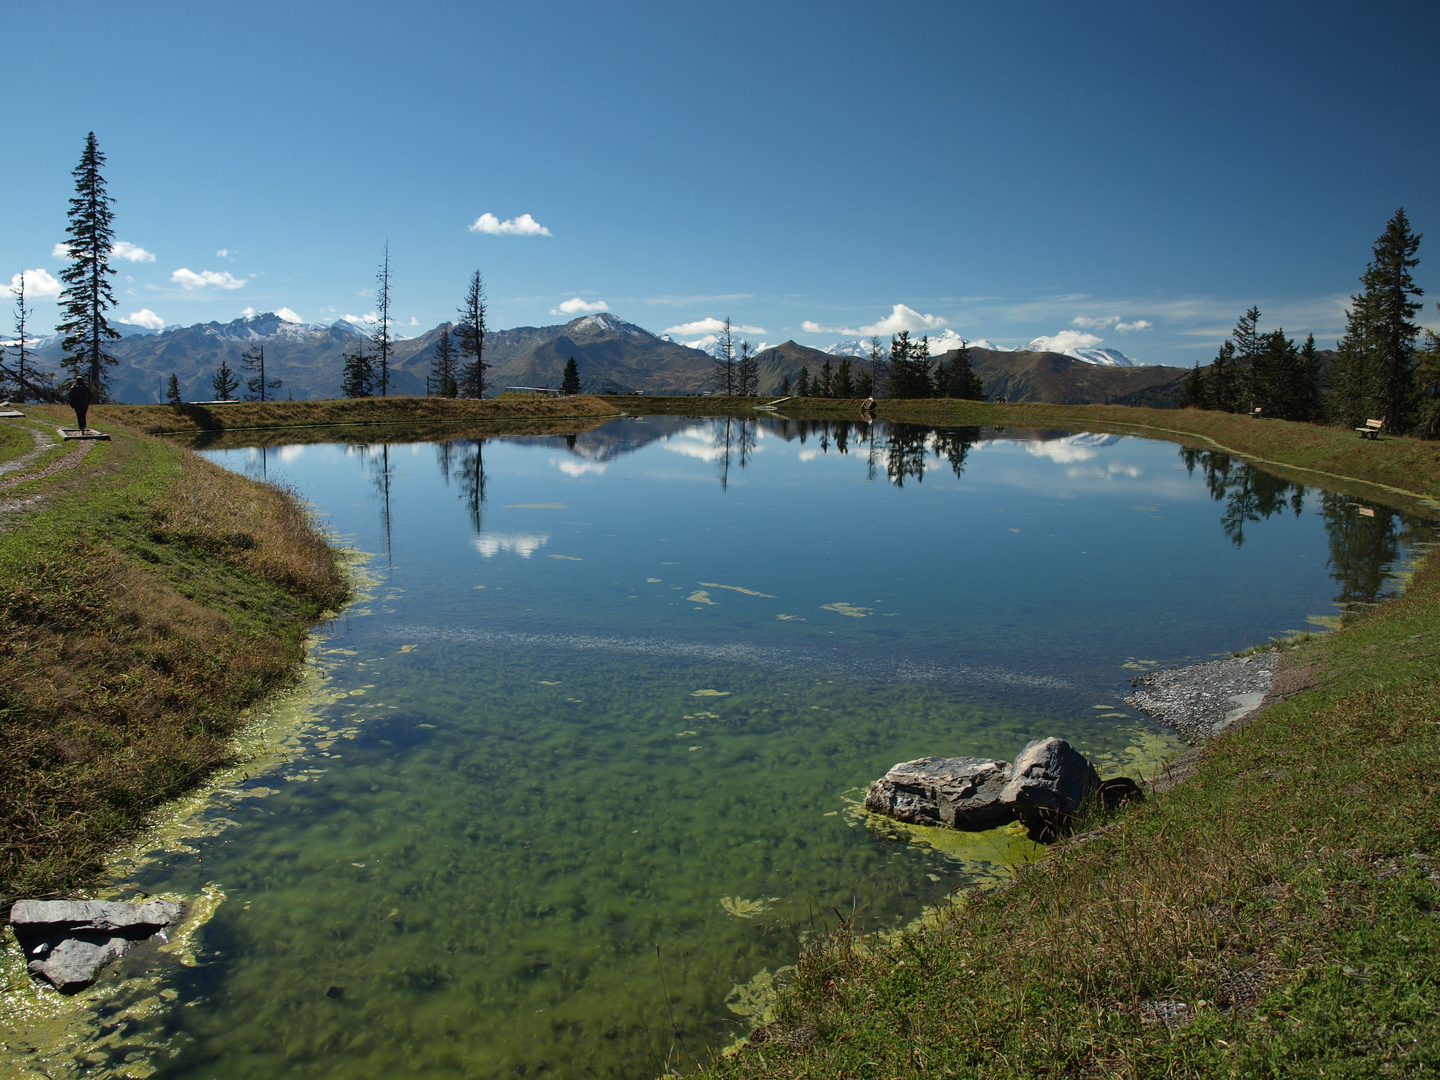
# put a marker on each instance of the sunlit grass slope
(145, 604)
(1277, 915)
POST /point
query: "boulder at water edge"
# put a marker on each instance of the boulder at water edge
(958, 792)
(67, 941)
(1049, 777)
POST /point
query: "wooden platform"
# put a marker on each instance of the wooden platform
(86, 433)
(11, 412)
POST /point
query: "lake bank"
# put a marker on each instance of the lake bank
(501, 529)
(150, 600)
(1274, 916)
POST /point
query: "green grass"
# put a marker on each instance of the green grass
(1276, 900)
(150, 600)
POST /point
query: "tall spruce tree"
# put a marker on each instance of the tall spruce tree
(382, 339)
(1390, 301)
(747, 370)
(802, 383)
(172, 390)
(87, 294)
(471, 336)
(879, 371)
(25, 380)
(844, 385)
(358, 379)
(570, 382)
(1427, 387)
(442, 381)
(1192, 392)
(724, 366)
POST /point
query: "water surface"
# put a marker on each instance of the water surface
(586, 758)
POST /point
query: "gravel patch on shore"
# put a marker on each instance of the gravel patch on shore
(1202, 700)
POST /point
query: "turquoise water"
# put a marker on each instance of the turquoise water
(586, 759)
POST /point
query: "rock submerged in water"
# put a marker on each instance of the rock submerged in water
(67, 941)
(1046, 785)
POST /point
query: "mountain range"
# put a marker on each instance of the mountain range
(613, 356)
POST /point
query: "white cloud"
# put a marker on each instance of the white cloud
(144, 317)
(1087, 322)
(60, 251)
(370, 318)
(900, 318)
(247, 313)
(576, 306)
(131, 252)
(712, 326)
(224, 253)
(413, 321)
(524, 225)
(38, 284)
(288, 315)
(220, 279)
(1065, 339)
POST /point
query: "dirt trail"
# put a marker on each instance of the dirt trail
(14, 473)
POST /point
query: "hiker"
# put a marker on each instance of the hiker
(79, 398)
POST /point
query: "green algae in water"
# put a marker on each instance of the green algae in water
(497, 871)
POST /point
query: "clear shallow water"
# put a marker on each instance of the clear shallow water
(587, 757)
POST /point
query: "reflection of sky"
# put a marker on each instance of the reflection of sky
(1062, 555)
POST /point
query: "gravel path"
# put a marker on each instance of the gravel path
(1202, 700)
(13, 474)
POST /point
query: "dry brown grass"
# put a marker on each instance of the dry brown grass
(150, 602)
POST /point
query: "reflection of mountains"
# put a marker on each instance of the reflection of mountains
(617, 438)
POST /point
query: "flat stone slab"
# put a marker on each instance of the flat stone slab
(1202, 700)
(67, 942)
(83, 433)
(10, 412)
(958, 792)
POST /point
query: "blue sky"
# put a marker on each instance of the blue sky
(1136, 172)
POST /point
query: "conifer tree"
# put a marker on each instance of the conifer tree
(878, 370)
(471, 336)
(747, 371)
(1390, 302)
(26, 379)
(172, 390)
(382, 335)
(359, 378)
(1427, 387)
(785, 385)
(825, 381)
(87, 294)
(442, 368)
(844, 385)
(257, 385)
(802, 384)
(725, 359)
(570, 384)
(1192, 393)
(1223, 386)
(864, 384)
(224, 382)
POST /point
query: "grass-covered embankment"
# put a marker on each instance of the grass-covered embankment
(1267, 918)
(147, 601)
(341, 412)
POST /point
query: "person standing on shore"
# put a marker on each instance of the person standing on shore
(79, 398)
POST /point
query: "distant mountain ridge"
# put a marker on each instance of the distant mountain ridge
(613, 356)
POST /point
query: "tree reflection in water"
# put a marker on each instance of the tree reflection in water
(1365, 541)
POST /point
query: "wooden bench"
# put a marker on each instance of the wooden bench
(1371, 430)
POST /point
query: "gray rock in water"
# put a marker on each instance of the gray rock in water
(68, 941)
(958, 792)
(1051, 776)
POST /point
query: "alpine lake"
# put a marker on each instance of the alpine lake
(568, 785)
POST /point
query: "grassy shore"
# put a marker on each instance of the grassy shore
(1277, 915)
(148, 601)
(344, 412)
